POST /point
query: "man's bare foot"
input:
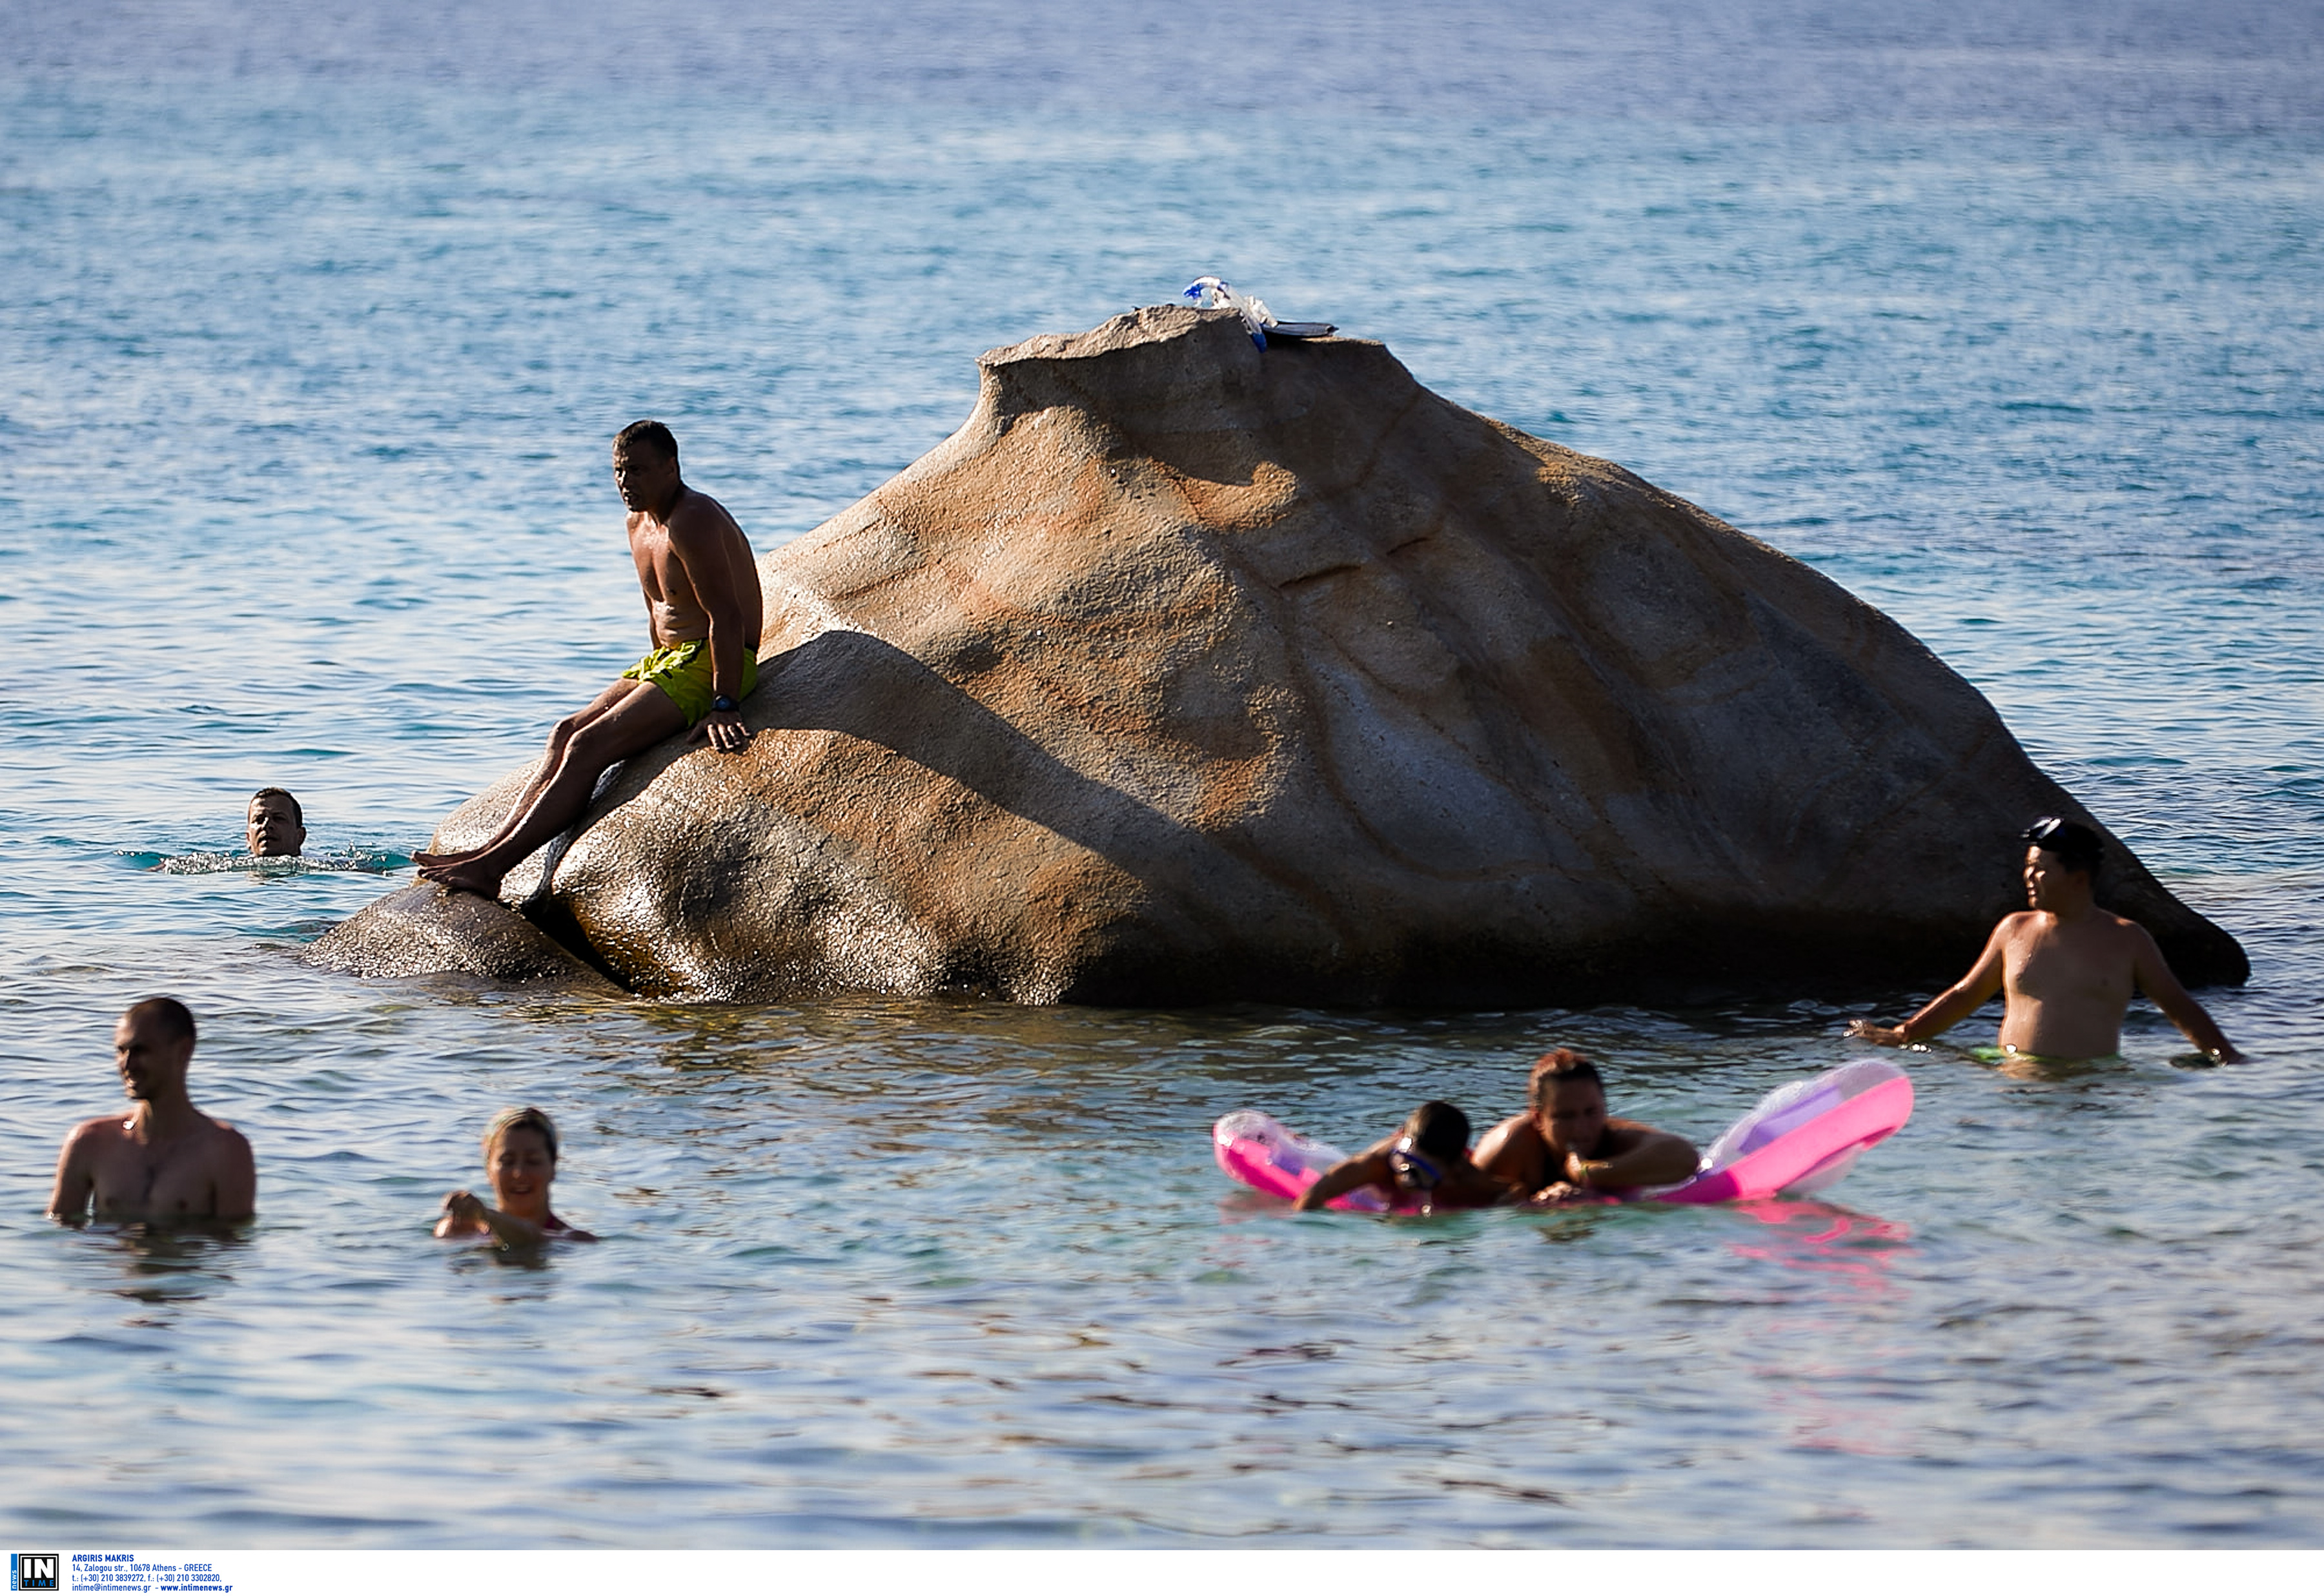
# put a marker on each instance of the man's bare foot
(464, 877)
(427, 861)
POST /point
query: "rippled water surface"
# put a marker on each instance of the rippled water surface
(312, 337)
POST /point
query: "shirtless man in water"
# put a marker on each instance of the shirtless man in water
(2066, 968)
(703, 614)
(274, 825)
(1564, 1146)
(168, 1160)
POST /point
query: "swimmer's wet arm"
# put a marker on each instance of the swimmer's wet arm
(510, 1231)
(467, 1215)
(462, 1213)
(1657, 1158)
(1949, 1008)
(2153, 972)
(1345, 1176)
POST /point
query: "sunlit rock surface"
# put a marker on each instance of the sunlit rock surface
(1186, 672)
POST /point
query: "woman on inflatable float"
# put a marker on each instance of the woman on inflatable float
(1799, 1140)
(1563, 1146)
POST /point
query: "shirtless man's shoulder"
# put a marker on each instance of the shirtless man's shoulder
(697, 517)
(1513, 1149)
(2099, 922)
(205, 1172)
(2107, 938)
(692, 562)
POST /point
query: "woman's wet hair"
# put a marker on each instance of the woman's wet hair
(1438, 1129)
(1554, 1068)
(522, 1119)
(2077, 847)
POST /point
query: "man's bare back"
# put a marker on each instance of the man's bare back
(167, 1160)
(2066, 969)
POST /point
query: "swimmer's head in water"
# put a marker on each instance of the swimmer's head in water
(1413, 1169)
(174, 1019)
(1431, 1140)
(1569, 1102)
(1561, 1064)
(521, 1119)
(1438, 1129)
(275, 825)
(521, 1157)
(152, 1046)
(2077, 847)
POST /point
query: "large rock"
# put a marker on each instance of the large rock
(422, 929)
(1186, 672)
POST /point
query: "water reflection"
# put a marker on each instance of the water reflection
(1823, 1238)
(175, 1263)
(1831, 1383)
(468, 1260)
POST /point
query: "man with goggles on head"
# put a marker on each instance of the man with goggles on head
(1563, 1146)
(2065, 967)
(1425, 1165)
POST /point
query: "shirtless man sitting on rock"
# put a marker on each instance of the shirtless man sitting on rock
(703, 614)
(167, 1162)
(1563, 1146)
(2066, 968)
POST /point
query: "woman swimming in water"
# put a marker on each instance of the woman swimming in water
(521, 1157)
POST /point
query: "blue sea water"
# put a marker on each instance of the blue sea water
(314, 324)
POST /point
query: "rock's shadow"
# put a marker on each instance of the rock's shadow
(857, 684)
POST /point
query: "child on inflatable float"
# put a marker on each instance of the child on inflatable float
(1424, 1166)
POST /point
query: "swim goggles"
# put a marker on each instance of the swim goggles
(1412, 1167)
(2043, 830)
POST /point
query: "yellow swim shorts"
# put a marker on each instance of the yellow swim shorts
(683, 673)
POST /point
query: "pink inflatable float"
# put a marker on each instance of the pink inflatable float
(1800, 1139)
(1260, 1152)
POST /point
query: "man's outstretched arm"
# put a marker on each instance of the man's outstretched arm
(1956, 1004)
(2153, 972)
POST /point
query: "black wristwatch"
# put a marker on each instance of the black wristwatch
(722, 705)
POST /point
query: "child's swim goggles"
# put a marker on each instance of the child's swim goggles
(1412, 1167)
